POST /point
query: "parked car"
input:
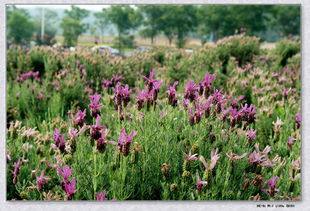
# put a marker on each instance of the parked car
(102, 49)
(143, 48)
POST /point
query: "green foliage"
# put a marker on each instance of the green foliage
(72, 26)
(242, 47)
(178, 20)
(19, 27)
(125, 18)
(286, 19)
(286, 49)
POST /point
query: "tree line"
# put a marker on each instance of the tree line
(175, 22)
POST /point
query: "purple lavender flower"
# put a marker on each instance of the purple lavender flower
(40, 95)
(190, 157)
(290, 142)
(285, 92)
(214, 158)
(208, 80)
(125, 95)
(207, 107)
(185, 103)
(201, 88)
(59, 140)
(225, 113)
(106, 84)
(116, 78)
(41, 181)
(261, 158)
(101, 196)
(125, 141)
(251, 135)
(191, 91)
(117, 99)
(198, 113)
(171, 94)
(234, 157)
(191, 117)
(94, 105)
(16, 171)
(95, 131)
(298, 120)
(200, 184)
(248, 113)
(150, 80)
(69, 188)
(272, 186)
(102, 141)
(78, 119)
(65, 172)
(142, 97)
(217, 95)
(156, 88)
(234, 103)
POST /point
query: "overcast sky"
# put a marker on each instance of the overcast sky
(88, 7)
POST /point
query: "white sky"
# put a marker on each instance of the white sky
(88, 7)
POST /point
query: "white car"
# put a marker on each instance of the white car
(102, 49)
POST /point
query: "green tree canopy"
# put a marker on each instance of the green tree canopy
(72, 26)
(178, 20)
(151, 22)
(19, 26)
(286, 19)
(125, 18)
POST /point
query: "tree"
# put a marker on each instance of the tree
(125, 18)
(101, 21)
(178, 20)
(152, 23)
(77, 13)
(72, 26)
(19, 26)
(286, 19)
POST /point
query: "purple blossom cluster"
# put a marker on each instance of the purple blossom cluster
(94, 106)
(67, 185)
(59, 140)
(24, 76)
(150, 93)
(125, 140)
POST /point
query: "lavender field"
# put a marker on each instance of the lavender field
(218, 123)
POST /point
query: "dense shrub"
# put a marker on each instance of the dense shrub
(285, 49)
(242, 47)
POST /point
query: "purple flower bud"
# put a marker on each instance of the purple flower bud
(200, 184)
(251, 135)
(125, 141)
(101, 196)
(290, 142)
(94, 105)
(298, 120)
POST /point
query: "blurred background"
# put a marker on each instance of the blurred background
(127, 27)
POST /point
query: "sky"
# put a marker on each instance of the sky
(88, 7)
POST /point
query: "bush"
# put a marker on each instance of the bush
(285, 49)
(242, 47)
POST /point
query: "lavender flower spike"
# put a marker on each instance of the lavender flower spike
(200, 184)
(101, 196)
